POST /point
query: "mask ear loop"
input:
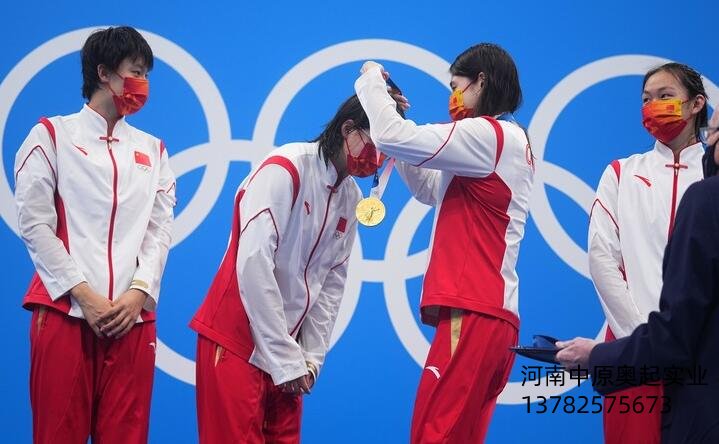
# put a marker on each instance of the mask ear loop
(110, 87)
(347, 145)
(376, 151)
(362, 137)
(462, 91)
(112, 90)
(375, 180)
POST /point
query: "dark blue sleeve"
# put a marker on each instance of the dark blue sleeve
(672, 336)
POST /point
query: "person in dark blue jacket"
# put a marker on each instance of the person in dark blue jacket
(680, 343)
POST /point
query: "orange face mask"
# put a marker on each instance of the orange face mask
(663, 119)
(134, 95)
(457, 110)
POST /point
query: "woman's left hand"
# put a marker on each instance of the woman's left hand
(120, 319)
(369, 64)
(398, 97)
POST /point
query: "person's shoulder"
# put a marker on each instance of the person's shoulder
(703, 191)
(636, 159)
(294, 151)
(701, 201)
(66, 121)
(290, 157)
(709, 182)
(698, 213)
(46, 128)
(617, 167)
(513, 132)
(301, 155)
(143, 136)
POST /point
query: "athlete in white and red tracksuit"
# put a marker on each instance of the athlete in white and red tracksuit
(265, 325)
(478, 173)
(95, 198)
(631, 221)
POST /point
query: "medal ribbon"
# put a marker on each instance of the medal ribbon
(380, 182)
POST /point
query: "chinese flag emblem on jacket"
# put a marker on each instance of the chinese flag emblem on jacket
(142, 159)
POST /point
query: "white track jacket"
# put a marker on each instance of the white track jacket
(630, 223)
(94, 208)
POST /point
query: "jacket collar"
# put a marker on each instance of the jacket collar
(330, 176)
(94, 123)
(685, 155)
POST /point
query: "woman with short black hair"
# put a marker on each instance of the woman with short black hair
(95, 200)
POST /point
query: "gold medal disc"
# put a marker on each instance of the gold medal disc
(370, 211)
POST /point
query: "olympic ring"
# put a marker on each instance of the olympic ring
(218, 124)
(220, 150)
(397, 266)
(549, 174)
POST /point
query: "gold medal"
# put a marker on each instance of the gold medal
(370, 211)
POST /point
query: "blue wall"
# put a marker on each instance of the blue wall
(232, 80)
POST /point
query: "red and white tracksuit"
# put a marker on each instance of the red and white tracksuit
(93, 208)
(273, 303)
(478, 173)
(630, 223)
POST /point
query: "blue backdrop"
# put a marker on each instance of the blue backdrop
(234, 79)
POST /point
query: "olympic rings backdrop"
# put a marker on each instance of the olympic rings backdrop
(232, 80)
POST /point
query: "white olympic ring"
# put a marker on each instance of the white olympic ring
(582, 194)
(394, 270)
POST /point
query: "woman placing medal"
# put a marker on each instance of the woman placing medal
(478, 172)
(370, 210)
(265, 325)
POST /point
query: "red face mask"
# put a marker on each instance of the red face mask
(457, 111)
(367, 162)
(663, 119)
(134, 95)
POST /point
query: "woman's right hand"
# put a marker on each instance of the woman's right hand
(93, 305)
(401, 100)
(299, 386)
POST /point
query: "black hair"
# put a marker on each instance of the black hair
(110, 47)
(691, 80)
(501, 91)
(330, 140)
